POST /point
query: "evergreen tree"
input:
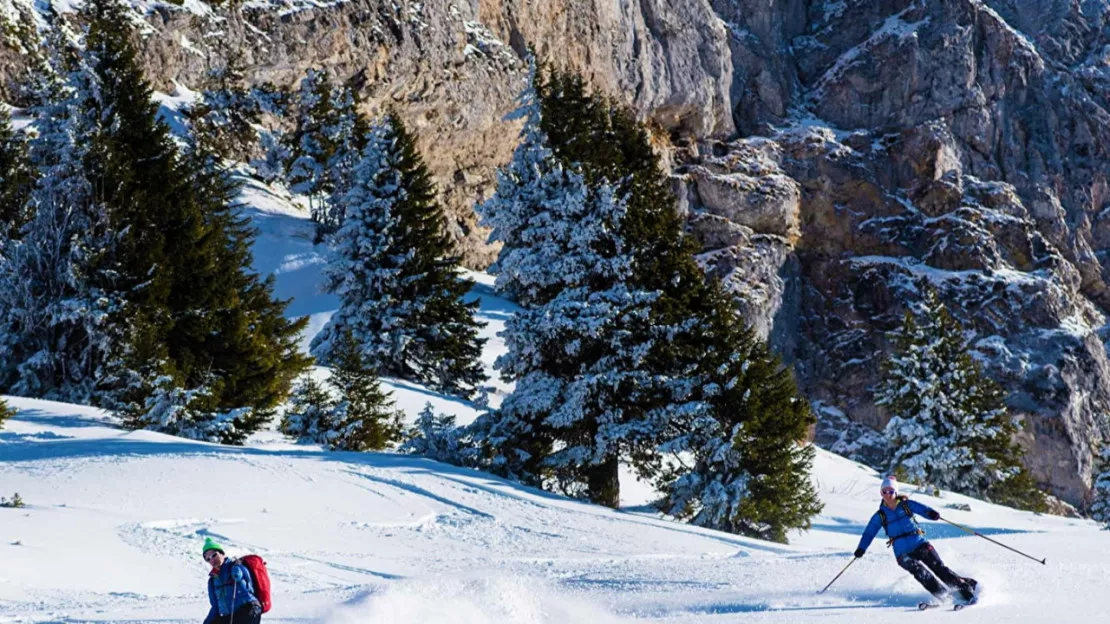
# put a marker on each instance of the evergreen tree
(398, 284)
(57, 282)
(309, 415)
(194, 306)
(436, 437)
(742, 427)
(362, 418)
(169, 408)
(223, 120)
(365, 418)
(576, 369)
(16, 178)
(350, 133)
(237, 332)
(1100, 489)
(949, 427)
(6, 412)
(313, 142)
(352, 414)
(625, 350)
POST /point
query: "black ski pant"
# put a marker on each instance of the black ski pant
(250, 613)
(924, 558)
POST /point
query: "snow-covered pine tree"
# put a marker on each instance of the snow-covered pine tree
(313, 142)
(310, 412)
(577, 367)
(391, 265)
(352, 414)
(193, 303)
(949, 427)
(16, 178)
(187, 413)
(56, 282)
(436, 437)
(351, 132)
(742, 429)
(364, 416)
(1100, 488)
(223, 119)
(573, 352)
(639, 374)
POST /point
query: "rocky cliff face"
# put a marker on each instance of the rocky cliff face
(834, 157)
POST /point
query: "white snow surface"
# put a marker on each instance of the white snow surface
(114, 523)
(115, 520)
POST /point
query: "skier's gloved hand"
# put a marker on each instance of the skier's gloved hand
(933, 515)
(859, 553)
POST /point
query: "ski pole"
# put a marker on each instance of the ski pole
(838, 575)
(972, 532)
(234, 586)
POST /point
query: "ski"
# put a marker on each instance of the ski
(921, 606)
(970, 603)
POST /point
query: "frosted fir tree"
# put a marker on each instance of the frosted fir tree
(350, 133)
(391, 265)
(736, 461)
(352, 414)
(224, 119)
(532, 181)
(17, 178)
(1100, 488)
(56, 286)
(310, 414)
(578, 359)
(949, 427)
(625, 352)
(187, 413)
(313, 142)
(436, 437)
(364, 416)
(194, 305)
(575, 361)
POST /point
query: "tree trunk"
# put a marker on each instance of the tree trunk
(603, 482)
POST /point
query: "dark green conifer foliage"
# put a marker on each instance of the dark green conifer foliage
(695, 334)
(223, 120)
(397, 275)
(950, 427)
(313, 143)
(16, 178)
(244, 339)
(6, 412)
(195, 311)
(364, 417)
(446, 349)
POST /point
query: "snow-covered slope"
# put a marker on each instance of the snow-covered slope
(115, 520)
(114, 523)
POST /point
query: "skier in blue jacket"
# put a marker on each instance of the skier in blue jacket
(913, 551)
(230, 591)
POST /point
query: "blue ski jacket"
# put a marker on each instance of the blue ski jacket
(228, 590)
(900, 526)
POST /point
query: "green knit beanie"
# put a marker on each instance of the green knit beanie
(210, 544)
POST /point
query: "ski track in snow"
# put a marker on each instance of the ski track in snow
(112, 536)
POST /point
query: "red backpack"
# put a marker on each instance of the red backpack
(260, 579)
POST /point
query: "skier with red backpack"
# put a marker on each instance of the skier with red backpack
(914, 553)
(238, 589)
